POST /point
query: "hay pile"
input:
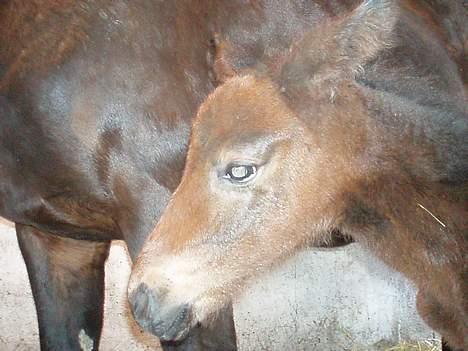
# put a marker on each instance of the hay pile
(429, 345)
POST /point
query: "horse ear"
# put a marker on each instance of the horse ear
(220, 60)
(342, 46)
(367, 31)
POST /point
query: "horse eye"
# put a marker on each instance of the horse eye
(240, 173)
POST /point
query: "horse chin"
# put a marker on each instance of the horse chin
(206, 308)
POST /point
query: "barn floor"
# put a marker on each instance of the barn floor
(319, 300)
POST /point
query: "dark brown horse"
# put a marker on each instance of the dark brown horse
(96, 101)
(361, 127)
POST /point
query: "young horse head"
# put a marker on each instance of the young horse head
(363, 129)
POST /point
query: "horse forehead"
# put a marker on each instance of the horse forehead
(236, 134)
(214, 146)
(239, 129)
(243, 107)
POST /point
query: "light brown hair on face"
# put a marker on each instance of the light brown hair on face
(256, 187)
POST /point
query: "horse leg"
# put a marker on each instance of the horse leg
(442, 319)
(67, 281)
(219, 336)
(445, 346)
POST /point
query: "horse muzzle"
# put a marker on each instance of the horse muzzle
(169, 322)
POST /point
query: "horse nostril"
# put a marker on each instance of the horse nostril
(178, 323)
(143, 305)
(169, 323)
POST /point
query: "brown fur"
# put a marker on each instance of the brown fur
(362, 129)
(96, 102)
(41, 33)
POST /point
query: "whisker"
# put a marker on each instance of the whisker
(433, 216)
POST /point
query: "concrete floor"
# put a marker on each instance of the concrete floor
(319, 300)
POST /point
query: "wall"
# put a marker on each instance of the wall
(319, 300)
